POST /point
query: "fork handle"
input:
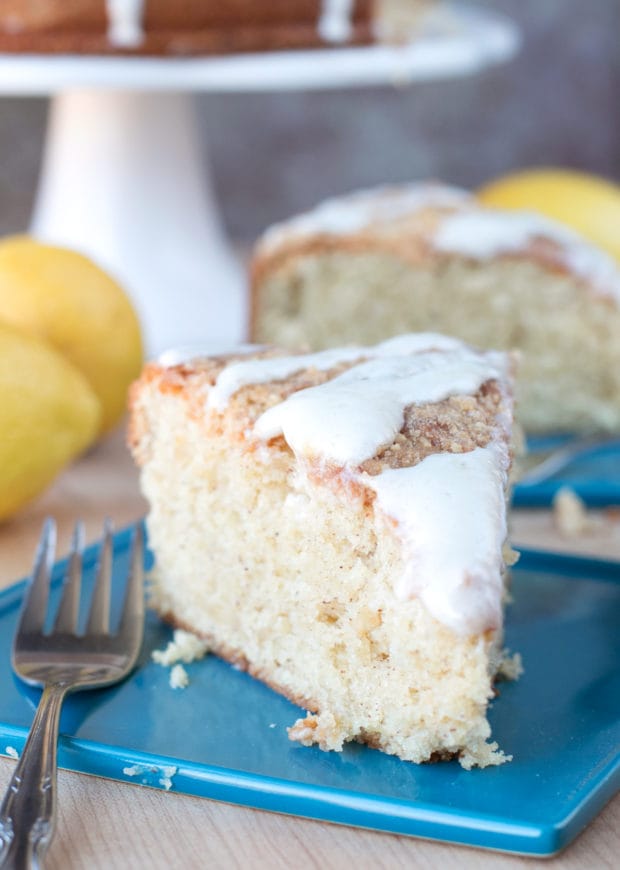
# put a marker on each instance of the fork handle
(28, 811)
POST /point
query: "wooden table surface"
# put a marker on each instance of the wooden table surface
(109, 825)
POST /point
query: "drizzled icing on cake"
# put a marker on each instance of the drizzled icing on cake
(261, 371)
(450, 514)
(485, 233)
(349, 418)
(358, 211)
(125, 23)
(335, 23)
(453, 548)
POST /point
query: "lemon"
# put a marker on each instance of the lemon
(587, 203)
(48, 415)
(64, 298)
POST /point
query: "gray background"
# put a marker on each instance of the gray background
(274, 154)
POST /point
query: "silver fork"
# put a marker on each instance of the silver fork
(62, 661)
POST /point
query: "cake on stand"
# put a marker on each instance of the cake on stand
(124, 176)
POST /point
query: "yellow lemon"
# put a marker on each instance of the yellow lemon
(65, 299)
(48, 415)
(587, 203)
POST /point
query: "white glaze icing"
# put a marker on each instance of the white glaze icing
(335, 23)
(415, 342)
(125, 23)
(357, 211)
(485, 233)
(261, 371)
(451, 519)
(349, 418)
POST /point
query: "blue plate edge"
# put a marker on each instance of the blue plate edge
(531, 559)
(388, 815)
(594, 494)
(422, 820)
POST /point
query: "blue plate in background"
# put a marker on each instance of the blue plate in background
(594, 474)
(224, 737)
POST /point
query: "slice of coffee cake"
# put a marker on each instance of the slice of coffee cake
(335, 523)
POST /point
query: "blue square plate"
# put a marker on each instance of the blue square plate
(594, 474)
(224, 737)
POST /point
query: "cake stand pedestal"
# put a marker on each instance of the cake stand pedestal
(125, 176)
(124, 179)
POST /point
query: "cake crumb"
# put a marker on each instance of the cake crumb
(322, 729)
(570, 514)
(184, 647)
(152, 775)
(178, 677)
(483, 755)
(168, 773)
(510, 666)
(134, 770)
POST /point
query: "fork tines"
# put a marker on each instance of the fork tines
(99, 616)
(69, 607)
(35, 603)
(66, 621)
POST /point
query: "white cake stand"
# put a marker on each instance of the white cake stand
(124, 176)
